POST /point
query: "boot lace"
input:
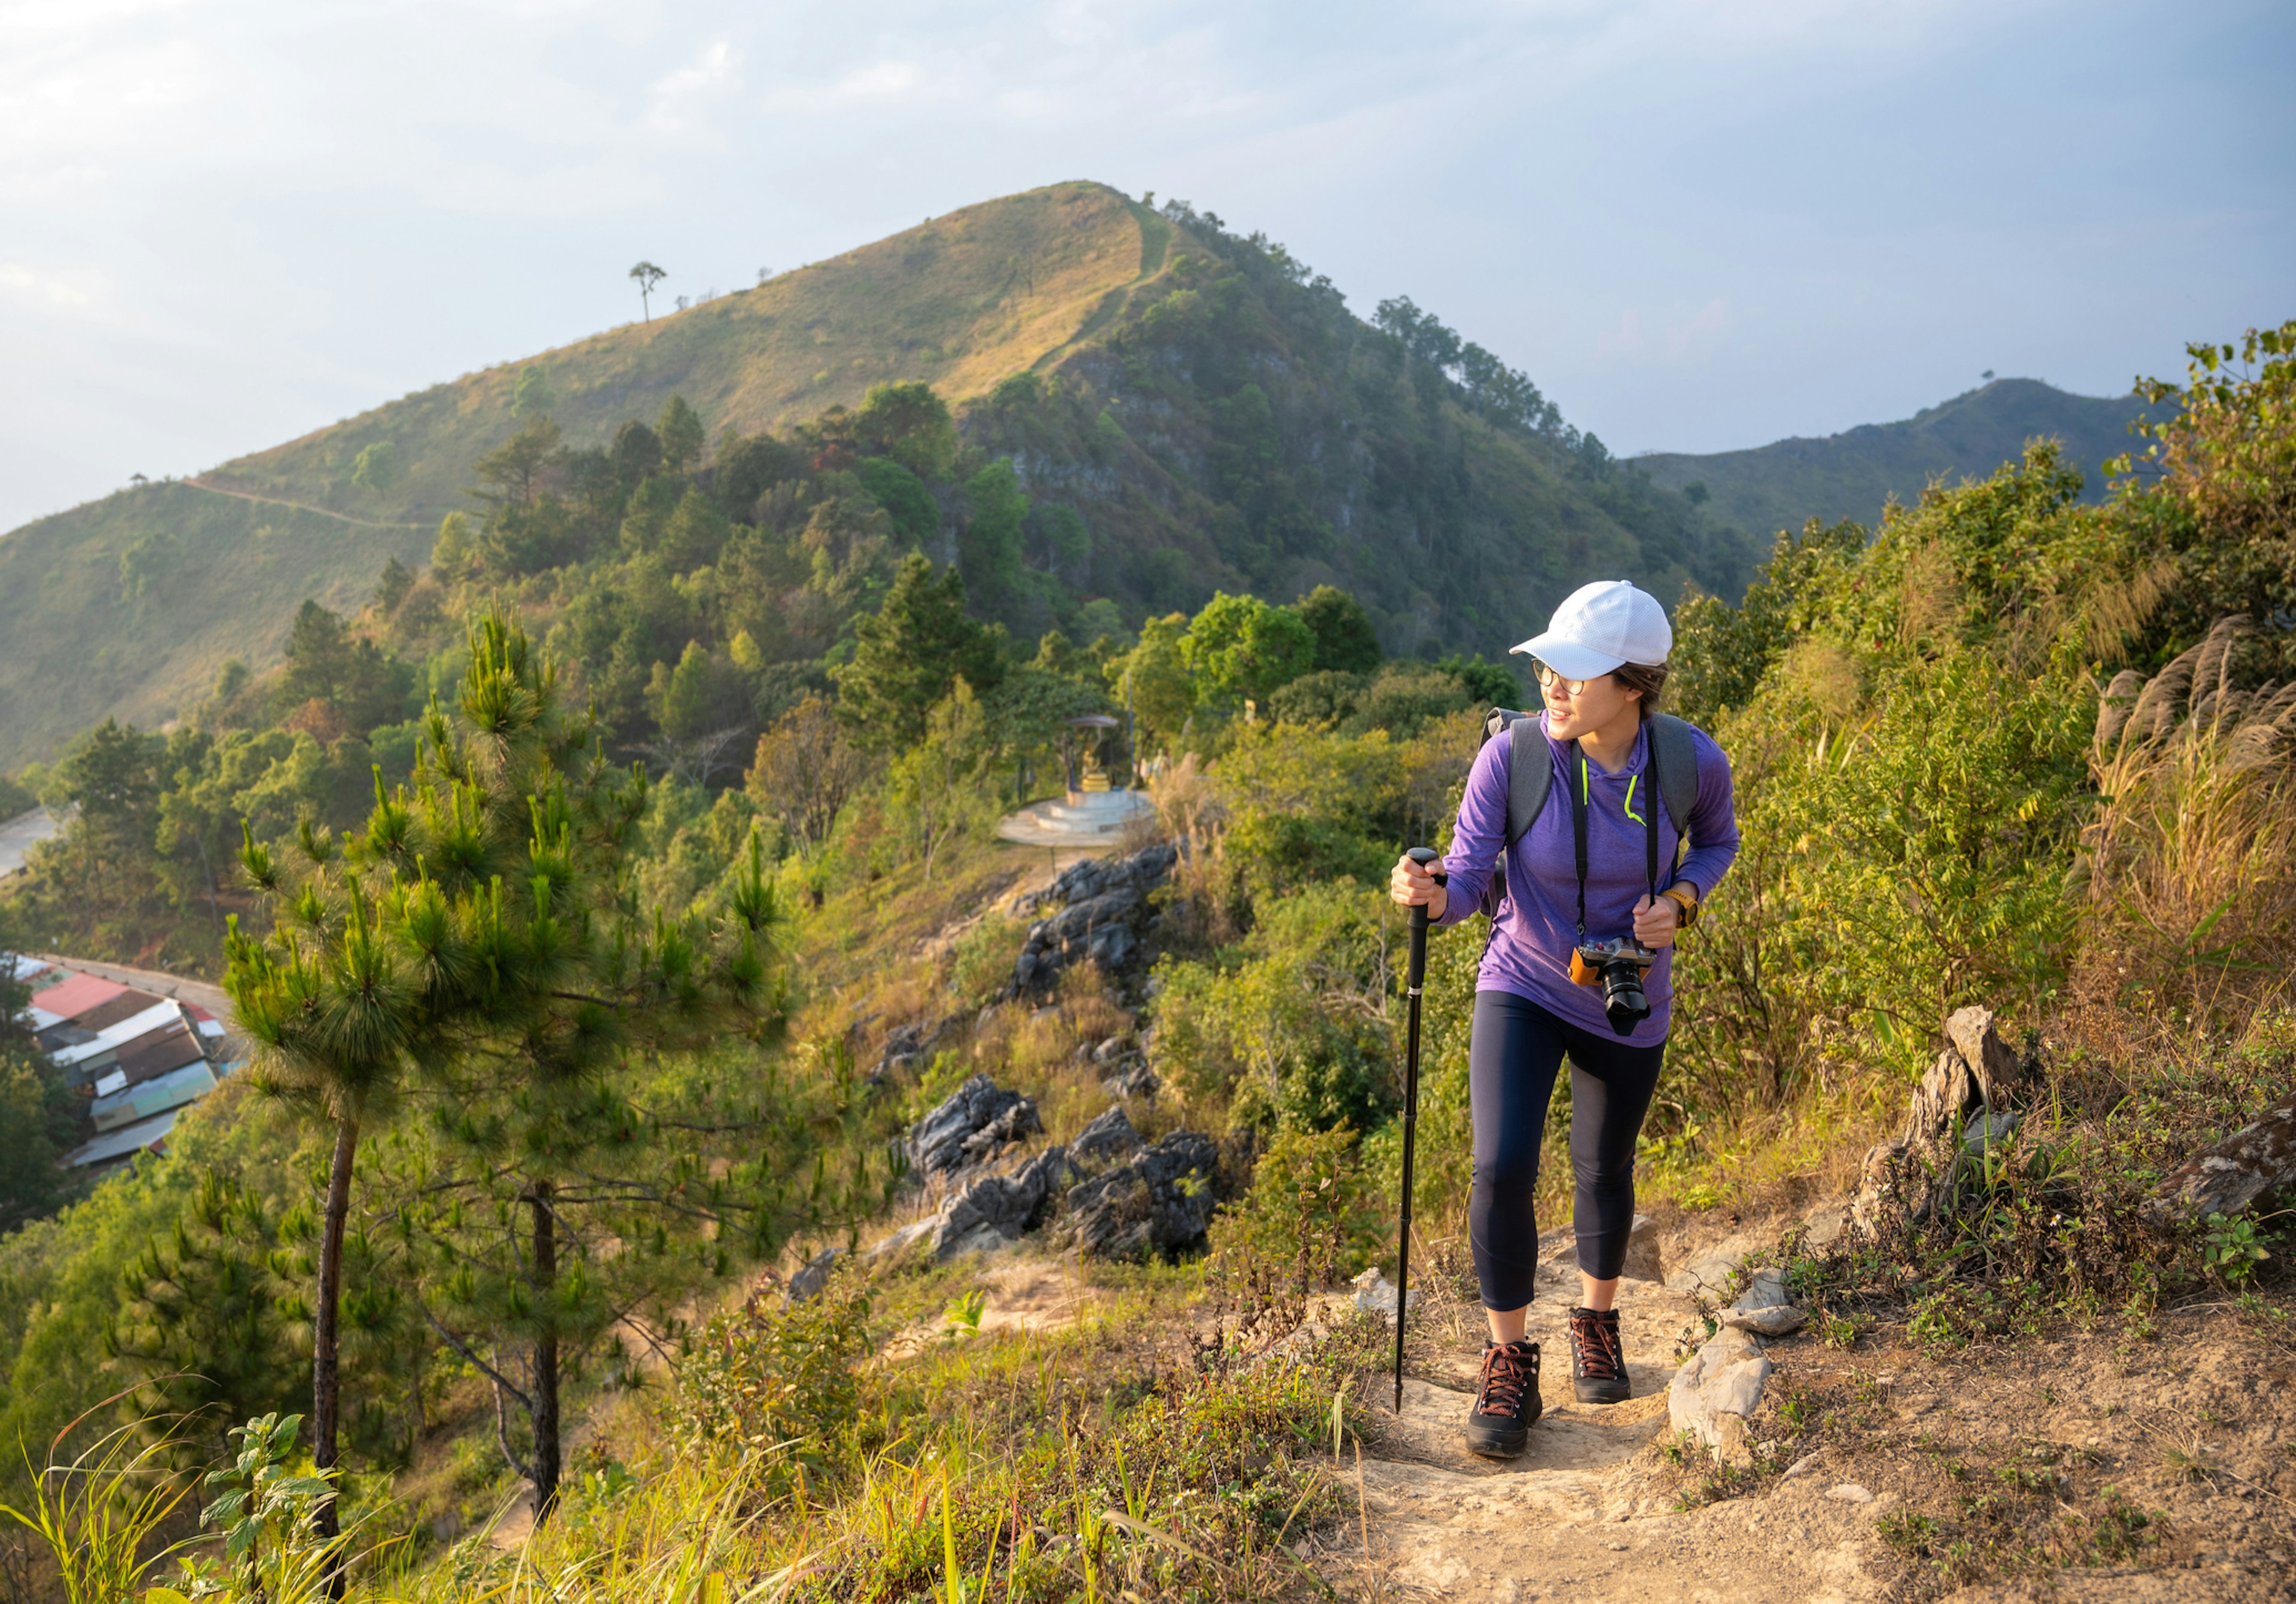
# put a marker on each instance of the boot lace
(1600, 1353)
(1507, 1370)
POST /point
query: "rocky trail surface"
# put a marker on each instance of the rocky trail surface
(1588, 1511)
(1849, 1449)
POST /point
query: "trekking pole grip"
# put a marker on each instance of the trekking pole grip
(1422, 856)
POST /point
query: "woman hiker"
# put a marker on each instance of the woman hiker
(1624, 780)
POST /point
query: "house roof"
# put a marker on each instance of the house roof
(75, 996)
(186, 1085)
(127, 1139)
(112, 1010)
(157, 1052)
(113, 1037)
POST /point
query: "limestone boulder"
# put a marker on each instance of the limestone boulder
(1153, 1205)
(973, 1125)
(1724, 1379)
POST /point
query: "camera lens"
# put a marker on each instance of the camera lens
(1623, 1002)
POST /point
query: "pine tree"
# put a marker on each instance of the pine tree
(479, 918)
(679, 428)
(911, 653)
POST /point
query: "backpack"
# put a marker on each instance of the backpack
(1531, 776)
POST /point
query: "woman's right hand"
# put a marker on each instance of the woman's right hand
(1410, 886)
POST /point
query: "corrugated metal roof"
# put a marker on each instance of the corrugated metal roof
(157, 1052)
(126, 1006)
(72, 997)
(154, 1097)
(113, 1037)
(117, 1144)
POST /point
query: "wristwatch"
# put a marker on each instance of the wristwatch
(1686, 894)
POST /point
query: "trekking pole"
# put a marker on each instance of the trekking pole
(1414, 976)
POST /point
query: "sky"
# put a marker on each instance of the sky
(1699, 225)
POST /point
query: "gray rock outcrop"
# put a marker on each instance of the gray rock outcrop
(1968, 1088)
(1109, 1138)
(909, 1045)
(1102, 915)
(806, 1285)
(1763, 1308)
(1376, 1294)
(2256, 1161)
(972, 1126)
(1715, 1394)
(1004, 1206)
(1155, 1204)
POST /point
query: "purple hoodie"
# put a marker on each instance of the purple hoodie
(1529, 953)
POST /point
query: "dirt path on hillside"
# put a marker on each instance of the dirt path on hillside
(1587, 1512)
(1596, 1511)
(217, 490)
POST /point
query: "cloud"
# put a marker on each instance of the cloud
(1680, 335)
(678, 100)
(51, 290)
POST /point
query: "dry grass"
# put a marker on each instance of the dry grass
(2191, 863)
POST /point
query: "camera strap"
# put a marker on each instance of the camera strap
(1580, 801)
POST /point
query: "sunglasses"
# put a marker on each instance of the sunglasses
(1547, 679)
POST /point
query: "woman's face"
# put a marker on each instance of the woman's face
(1570, 715)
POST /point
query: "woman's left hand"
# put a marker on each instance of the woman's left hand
(1656, 921)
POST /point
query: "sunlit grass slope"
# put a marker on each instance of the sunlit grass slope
(959, 302)
(205, 578)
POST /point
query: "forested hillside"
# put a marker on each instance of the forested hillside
(600, 997)
(1189, 410)
(1859, 471)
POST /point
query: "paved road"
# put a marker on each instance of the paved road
(19, 834)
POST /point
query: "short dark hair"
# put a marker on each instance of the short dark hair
(1648, 678)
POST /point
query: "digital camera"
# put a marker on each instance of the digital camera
(1618, 967)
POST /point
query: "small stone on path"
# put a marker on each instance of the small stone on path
(1850, 1493)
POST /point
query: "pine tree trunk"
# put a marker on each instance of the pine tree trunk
(327, 1372)
(545, 1353)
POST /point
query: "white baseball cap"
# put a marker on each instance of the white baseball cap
(1599, 626)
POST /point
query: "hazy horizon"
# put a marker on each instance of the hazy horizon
(1697, 228)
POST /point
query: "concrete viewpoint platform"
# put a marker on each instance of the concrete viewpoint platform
(1092, 818)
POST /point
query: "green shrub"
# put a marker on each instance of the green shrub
(980, 960)
(780, 1386)
(1312, 1216)
(1290, 1028)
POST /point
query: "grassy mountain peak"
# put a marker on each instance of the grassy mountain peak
(130, 605)
(1192, 409)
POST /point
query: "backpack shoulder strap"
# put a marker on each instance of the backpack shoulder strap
(1531, 776)
(1674, 753)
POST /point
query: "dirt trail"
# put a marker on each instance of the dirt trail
(1585, 1513)
(299, 507)
(1594, 1511)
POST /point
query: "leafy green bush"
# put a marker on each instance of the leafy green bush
(778, 1385)
(1312, 1216)
(1290, 1028)
(980, 960)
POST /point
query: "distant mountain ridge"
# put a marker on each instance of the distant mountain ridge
(1212, 413)
(1856, 472)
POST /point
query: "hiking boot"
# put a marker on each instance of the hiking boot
(1598, 1358)
(1506, 1400)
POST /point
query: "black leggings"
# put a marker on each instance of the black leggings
(1516, 1050)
